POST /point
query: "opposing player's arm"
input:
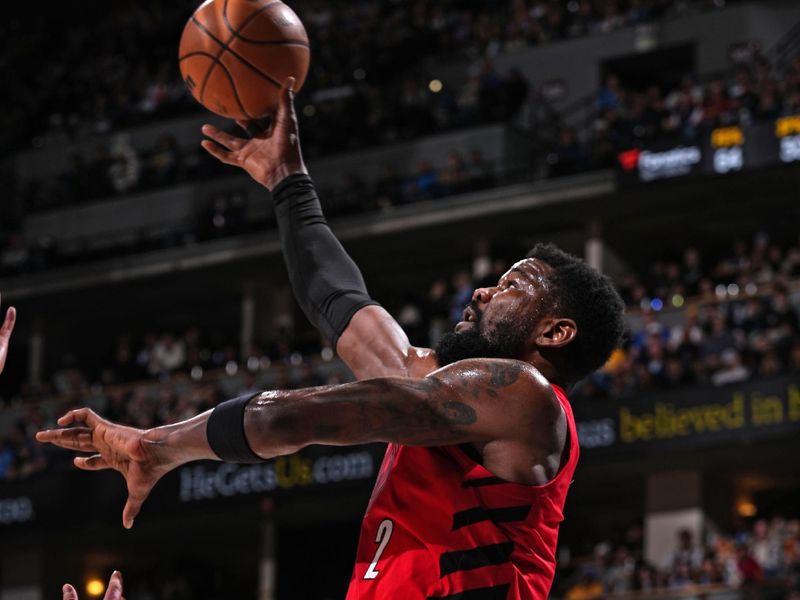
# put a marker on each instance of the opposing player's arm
(326, 282)
(5, 335)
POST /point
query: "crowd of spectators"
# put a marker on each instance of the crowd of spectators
(364, 89)
(763, 560)
(224, 214)
(626, 117)
(731, 332)
(122, 70)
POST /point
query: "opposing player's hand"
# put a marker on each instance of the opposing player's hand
(268, 157)
(113, 591)
(5, 335)
(140, 455)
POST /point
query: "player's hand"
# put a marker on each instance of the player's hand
(113, 591)
(5, 335)
(268, 157)
(140, 455)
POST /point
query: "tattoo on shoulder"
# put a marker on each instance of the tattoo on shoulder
(459, 413)
(504, 374)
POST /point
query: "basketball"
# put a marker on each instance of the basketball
(236, 54)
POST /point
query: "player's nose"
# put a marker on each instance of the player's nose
(483, 295)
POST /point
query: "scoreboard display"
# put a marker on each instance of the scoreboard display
(717, 152)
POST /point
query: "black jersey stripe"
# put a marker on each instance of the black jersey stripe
(475, 558)
(496, 515)
(495, 592)
(482, 482)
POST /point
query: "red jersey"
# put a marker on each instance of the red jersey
(442, 526)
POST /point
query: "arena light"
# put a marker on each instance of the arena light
(95, 587)
(435, 86)
(746, 508)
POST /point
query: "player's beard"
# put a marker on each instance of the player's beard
(506, 340)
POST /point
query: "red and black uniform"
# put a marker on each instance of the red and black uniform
(440, 525)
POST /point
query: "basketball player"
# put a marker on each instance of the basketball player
(482, 440)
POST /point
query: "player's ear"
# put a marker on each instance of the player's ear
(555, 332)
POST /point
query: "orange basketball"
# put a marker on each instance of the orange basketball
(236, 54)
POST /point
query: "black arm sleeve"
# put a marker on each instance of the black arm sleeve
(326, 282)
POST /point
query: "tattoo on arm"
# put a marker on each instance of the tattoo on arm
(504, 374)
(453, 405)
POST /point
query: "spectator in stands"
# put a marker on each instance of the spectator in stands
(686, 552)
(569, 156)
(164, 163)
(124, 171)
(750, 572)
(587, 588)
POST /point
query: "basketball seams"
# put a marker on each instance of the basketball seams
(216, 62)
(223, 47)
(237, 31)
(241, 58)
(248, 20)
(196, 53)
(244, 61)
(235, 92)
(273, 42)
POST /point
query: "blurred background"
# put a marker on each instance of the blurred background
(658, 139)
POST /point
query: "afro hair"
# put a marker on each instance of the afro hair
(589, 298)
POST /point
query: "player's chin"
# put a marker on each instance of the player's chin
(464, 326)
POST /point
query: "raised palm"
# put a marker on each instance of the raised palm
(270, 155)
(135, 453)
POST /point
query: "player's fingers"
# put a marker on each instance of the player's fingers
(286, 104)
(8, 324)
(114, 591)
(68, 592)
(218, 153)
(225, 140)
(132, 507)
(82, 415)
(78, 439)
(91, 463)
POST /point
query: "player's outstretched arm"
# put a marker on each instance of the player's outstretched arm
(113, 591)
(5, 335)
(472, 401)
(327, 283)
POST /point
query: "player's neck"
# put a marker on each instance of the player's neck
(549, 370)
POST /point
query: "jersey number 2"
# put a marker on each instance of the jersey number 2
(382, 539)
